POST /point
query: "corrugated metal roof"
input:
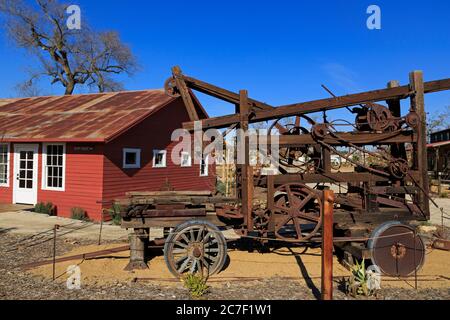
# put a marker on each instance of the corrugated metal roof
(90, 117)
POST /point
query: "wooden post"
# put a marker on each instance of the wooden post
(101, 228)
(420, 148)
(138, 242)
(246, 169)
(327, 245)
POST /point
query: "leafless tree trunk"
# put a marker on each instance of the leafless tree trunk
(69, 57)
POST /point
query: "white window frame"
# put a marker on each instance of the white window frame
(206, 174)
(8, 164)
(155, 152)
(190, 160)
(44, 167)
(137, 151)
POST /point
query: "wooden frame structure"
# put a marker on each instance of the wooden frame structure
(395, 188)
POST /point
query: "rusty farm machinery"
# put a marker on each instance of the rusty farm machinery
(387, 186)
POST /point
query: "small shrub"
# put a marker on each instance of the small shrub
(115, 214)
(221, 187)
(79, 214)
(196, 285)
(444, 195)
(45, 208)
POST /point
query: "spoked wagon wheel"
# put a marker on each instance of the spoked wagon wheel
(196, 247)
(299, 208)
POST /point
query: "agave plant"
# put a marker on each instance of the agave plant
(359, 282)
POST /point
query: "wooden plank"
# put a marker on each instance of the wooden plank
(322, 104)
(351, 218)
(168, 193)
(169, 201)
(156, 213)
(170, 222)
(394, 190)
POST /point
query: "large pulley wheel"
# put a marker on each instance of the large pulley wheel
(298, 212)
(196, 247)
(396, 249)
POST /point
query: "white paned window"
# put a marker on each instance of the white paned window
(131, 158)
(159, 158)
(186, 160)
(204, 167)
(4, 165)
(54, 163)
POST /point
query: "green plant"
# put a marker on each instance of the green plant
(115, 214)
(444, 195)
(45, 208)
(79, 214)
(357, 284)
(221, 187)
(196, 285)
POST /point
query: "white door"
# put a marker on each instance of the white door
(25, 173)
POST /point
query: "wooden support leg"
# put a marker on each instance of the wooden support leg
(420, 148)
(138, 244)
(327, 245)
(246, 169)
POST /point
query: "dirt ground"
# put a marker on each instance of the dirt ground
(29, 223)
(243, 267)
(281, 274)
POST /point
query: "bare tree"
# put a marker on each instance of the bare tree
(68, 57)
(439, 121)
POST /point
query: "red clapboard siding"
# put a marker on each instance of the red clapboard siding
(94, 171)
(83, 185)
(153, 133)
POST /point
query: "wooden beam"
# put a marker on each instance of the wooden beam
(185, 95)
(222, 94)
(332, 177)
(323, 104)
(357, 138)
(230, 97)
(246, 172)
(420, 148)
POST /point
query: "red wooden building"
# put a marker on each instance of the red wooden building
(79, 151)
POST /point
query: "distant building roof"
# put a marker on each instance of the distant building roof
(440, 131)
(89, 117)
(438, 144)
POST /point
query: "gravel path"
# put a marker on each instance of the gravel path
(17, 284)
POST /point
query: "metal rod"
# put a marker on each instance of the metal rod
(101, 228)
(415, 267)
(55, 228)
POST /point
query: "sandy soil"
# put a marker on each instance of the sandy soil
(244, 267)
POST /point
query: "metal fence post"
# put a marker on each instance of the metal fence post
(55, 229)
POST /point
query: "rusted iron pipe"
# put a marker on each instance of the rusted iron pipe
(89, 255)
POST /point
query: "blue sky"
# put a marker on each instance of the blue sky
(281, 51)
